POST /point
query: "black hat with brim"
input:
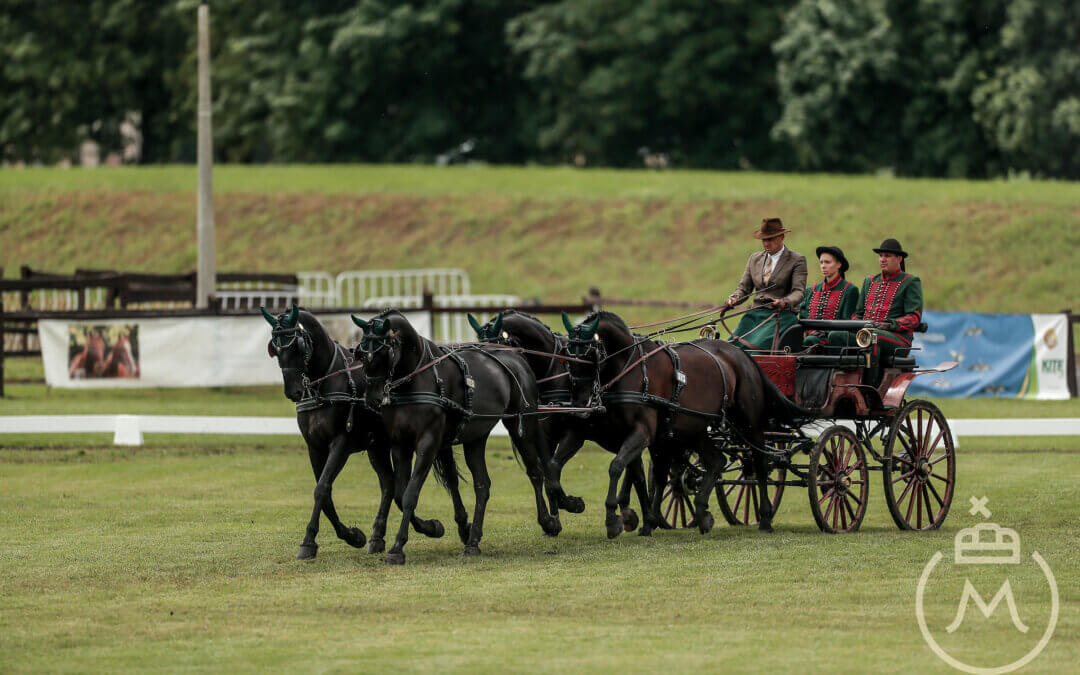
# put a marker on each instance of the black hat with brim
(835, 252)
(891, 246)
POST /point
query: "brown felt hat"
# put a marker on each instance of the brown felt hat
(770, 227)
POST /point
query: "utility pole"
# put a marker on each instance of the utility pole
(206, 272)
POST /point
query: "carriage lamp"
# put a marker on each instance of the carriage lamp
(865, 337)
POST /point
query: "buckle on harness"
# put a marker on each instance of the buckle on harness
(680, 377)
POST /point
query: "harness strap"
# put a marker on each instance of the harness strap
(629, 367)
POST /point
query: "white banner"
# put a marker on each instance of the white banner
(173, 352)
(1051, 357)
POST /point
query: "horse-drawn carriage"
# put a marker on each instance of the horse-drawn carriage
(856, 406)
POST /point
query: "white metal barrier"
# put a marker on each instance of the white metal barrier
(318, 289)
(354, 288)
(446, 327)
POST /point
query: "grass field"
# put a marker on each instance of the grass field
(173, 558)
(552, 233)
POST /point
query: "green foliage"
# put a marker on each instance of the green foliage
(693, 79)
(919, 87)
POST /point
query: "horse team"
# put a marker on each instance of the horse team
(407, 401)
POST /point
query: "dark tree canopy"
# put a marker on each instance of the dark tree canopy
(919, 87)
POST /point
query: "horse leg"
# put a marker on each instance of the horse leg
(635, 478)
(331, 467)
(661, 467)
(567, 447)
(631, 449)
(474, 457)
(426, 448)
(761, 470)
(384, 469)
(527, 445)
(450, 476)
(713, 466)
(402, 466)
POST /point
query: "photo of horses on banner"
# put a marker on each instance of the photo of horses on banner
(103, 351)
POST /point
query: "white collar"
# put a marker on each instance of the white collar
(776, 256)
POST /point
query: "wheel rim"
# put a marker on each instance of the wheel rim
(739, 503)
(839, 481)
(677, 504)
(920, 467)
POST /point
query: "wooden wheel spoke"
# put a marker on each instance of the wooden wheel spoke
(905, 460)
(851, 511)
(933, 490)
(829, 508)
(926, 501)
(843, 513)
(931, 447)
(901, 477)
(911, 500)
(859, 465)
(918, 507)
(847, 458)
(857, 500)
(827, 495)
(939, 459)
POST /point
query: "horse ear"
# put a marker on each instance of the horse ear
(383, 328)
(269, 317)
(476, 325)
(359, 322)
(566, 322)
(294, 314)
(498, 324)
(595, 324)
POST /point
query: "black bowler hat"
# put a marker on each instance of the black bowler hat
(891, 246)
(835, 252)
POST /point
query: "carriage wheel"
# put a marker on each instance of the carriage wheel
(739, 503)
(838, 481)
(677, 504)
(919, 467)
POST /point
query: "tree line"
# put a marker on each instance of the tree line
(916, 87)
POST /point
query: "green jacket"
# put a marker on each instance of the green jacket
(837, 300)
(896, 300)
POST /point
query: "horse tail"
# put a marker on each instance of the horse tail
(445, 467)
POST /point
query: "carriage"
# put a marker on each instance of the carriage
(853, 410)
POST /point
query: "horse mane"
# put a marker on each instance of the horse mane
(610, 317)
(535, 319)
(312, 325)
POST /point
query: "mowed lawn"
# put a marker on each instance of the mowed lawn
(179, 556)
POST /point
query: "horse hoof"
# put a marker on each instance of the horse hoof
(645, 531)
(765, 527)
(376, 545)
(630, 519)
(573, 504)
(395, 558)
(463, 530)
(705, 523)
(437, 529)
(307, 552)
(614, 527)
(551, 526)
(355, 537)
(471, 550)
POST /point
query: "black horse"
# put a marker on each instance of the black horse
(566, 433)
(431, 398)
(334, 422)
(674, 399)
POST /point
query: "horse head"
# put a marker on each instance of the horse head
(584, 343)
(293, 348)
(492, 331)
(389, 344)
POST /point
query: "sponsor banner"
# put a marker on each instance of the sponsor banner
(173, 352)
(999, 355)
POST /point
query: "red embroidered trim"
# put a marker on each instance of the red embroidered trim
(825, 302)
(880, 297)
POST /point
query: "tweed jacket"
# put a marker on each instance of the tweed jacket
(788, 280)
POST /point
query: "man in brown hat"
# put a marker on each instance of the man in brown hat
(778, 276)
